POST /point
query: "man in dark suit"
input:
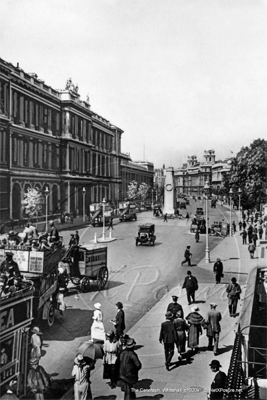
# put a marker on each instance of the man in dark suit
(174, 307)
(168, 336)
(213, 327)
(218, 270)
(244, 236)
(187, 256)
(119, 321)
(218, 383)
(190, 285)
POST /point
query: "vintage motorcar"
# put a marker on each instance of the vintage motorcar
(216, 228)
(187, 201)
(146, 235)
(199, 211)
(183, 205)
(198, 223)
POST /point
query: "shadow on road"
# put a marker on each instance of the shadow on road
(75, 323)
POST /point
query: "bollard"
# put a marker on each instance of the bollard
(110, 233)
(95, 238)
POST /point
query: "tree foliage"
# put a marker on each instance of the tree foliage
(138, 192)
(249, 173)
(33, 202)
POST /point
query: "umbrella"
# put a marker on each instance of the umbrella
(91, 350)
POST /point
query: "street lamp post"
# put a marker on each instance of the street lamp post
(84, 192)
(230, 195)
(207, 251)
(239, 203)
(152, 199)
(103, 204)
(46, 207)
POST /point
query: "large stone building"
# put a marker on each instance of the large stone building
(52, 139)
(139, 171)
(191, 177)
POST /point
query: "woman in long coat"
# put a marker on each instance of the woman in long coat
(97, 328)
(111, 349)
(180, 326)
(194, 320)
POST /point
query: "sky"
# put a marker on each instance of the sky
(177, 76)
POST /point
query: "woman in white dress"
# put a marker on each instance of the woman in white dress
(97, 328)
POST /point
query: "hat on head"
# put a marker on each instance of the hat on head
(9, 253)
(119, 304)
(51, 222)
(214, 305)
(215, 363)
(188, 247)
(79, 357)
(195, 309)
(175, 297)
(168, 315)
(36, 330)
(110, 333)
(189, 273)
(34, 361)
(97, 306)
(130, 343)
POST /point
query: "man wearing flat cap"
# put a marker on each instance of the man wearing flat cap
(212, 324)
(168, 336)
(10, 268)
(218, 383)
(174, 307)
(11, 388)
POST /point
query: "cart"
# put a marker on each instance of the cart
(87, 264)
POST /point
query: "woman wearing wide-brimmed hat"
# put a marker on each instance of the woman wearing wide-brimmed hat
(36, 342)
(97, 328)
(195, 320)
(37, 380)
(111, 348)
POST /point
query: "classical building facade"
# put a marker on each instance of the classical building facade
(52, 139)
(139, 171)
(191, 177)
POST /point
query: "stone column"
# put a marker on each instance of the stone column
(31, 153)
(49, 121)
(49, 156)
(21, 110)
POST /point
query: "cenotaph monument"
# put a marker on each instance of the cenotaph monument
(169, 191)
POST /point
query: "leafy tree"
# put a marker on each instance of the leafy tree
(143, 191)
(249, 173)
(132, 192)
(33, 202)
(136, 192)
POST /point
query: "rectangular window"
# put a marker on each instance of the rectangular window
(14, 150)
(25, 153)
(3, 148)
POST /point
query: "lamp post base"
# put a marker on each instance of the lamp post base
(207, 256)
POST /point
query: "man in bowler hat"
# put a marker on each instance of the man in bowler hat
(168, 336)
(218, 383)
(174, 307)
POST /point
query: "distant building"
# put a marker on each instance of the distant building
(191, 177)
(52, 139)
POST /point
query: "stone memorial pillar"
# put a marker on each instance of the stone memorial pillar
(169, 192)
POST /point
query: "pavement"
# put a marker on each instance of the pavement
(187, 379)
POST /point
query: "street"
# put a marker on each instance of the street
(139, 276)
